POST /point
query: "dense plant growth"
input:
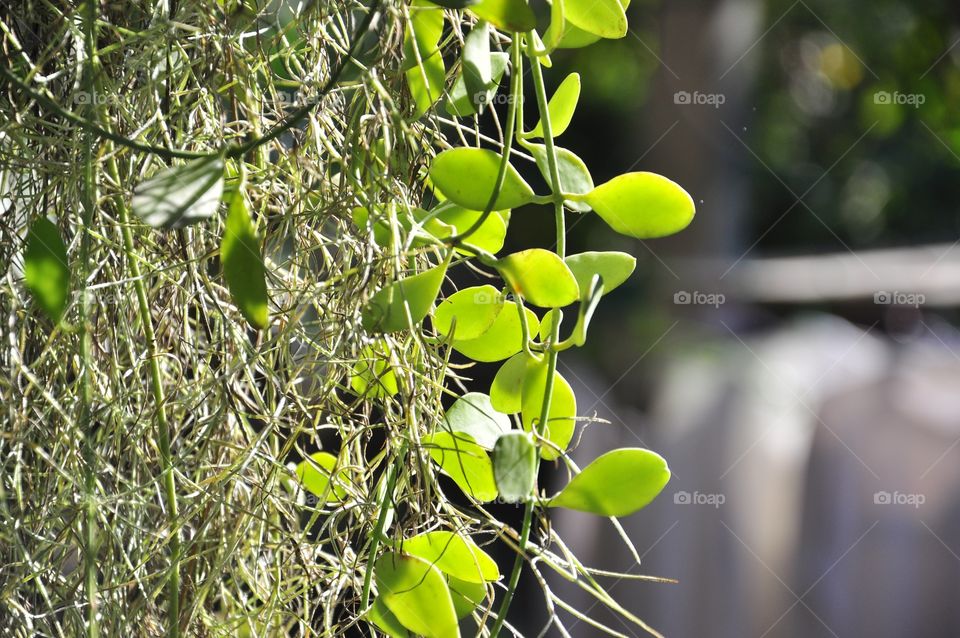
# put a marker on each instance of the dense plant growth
(224, 399)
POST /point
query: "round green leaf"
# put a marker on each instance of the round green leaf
(473, 414)
(466, 176)
(503, 339)
(465, 462)
(515, 466)
(561, 106)
(417, 595)
(466, 596)
(605, 18)
(508, 15)
(314, 475)
(180, 195)
(372, 375)
(540, 277)
(574, 176)
(453, 554)
(613, 267)
(45, 268)
(387, 309)
(642, 205)
(243, 264)
(617, 483)
(489, 236)
(505, 389)
(561, 420)
(474, 309)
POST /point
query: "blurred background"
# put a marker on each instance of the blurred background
(794, 353)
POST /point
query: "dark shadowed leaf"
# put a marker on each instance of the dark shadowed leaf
(515, 466)
(243, 264)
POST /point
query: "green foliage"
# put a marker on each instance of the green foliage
(243, 263)
(180, 195)
(403, 303)
(515, 466)
(467, 176)
(561, 107)
(45, 268)
(642, 205)
(468, 464)
(539, 276)
(617, 483)
(474, 414)
(417, 595)
(454, 555)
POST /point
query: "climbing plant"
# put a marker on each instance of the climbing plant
(237, 224)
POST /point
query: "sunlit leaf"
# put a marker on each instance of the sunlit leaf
(561, 420)
(473, 309)
(515, 466)
(462, 102)
(314, 475)
(425, 69)
(243, 263)
(540, 277)
(489, 236)
(574, 176)
(387, 309)
(612, 266)
(466, 596)
(617, 483)
(642, 205)
(506, 386)
(465, 462)
(561, 106)
(508, 15)
(45, 268)
(473, 414)
(453, 554)
(417, 595)
(467, 176)
(385, 621)
(503, 339)
(372, 375)
(180, 195)
(605, 18)
(477, 69)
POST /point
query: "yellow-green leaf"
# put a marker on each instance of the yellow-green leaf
(605, 18)
(45, 268)
(617, 483)
(508, 15)
(180, 195)
(503, 339)
(613, 267)
(561, 420)
(642, 205)
(467, 176)
(453, 554)
(540, 277)
(465, 462)
(387, 309)
(561, 107)
(417, 595)
(314, 474)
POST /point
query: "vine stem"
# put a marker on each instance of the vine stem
(90, 196)
(560, 219)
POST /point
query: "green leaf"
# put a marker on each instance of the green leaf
(540, 277)
(642, 205)
(473, 414)
(372, 375)
(422, 60)
(546, 326)
(515, 466)
(509, 15)
(387, 309)
(605, 18)
(574, 176)
(561, 419)
(417, 595)
(617, 483)
(454, 555)
(466, 176)
(555, 31)
(466, 596)
(463, 461)
(384, 619)
(613, 267)
(314, 475)
(505, 389)
(477, 67)
(180, 195)
(45, 268)
(474, 309)
(462, 102)
(561, 107)
(243, 264)
(489, 236)
(504, 338)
